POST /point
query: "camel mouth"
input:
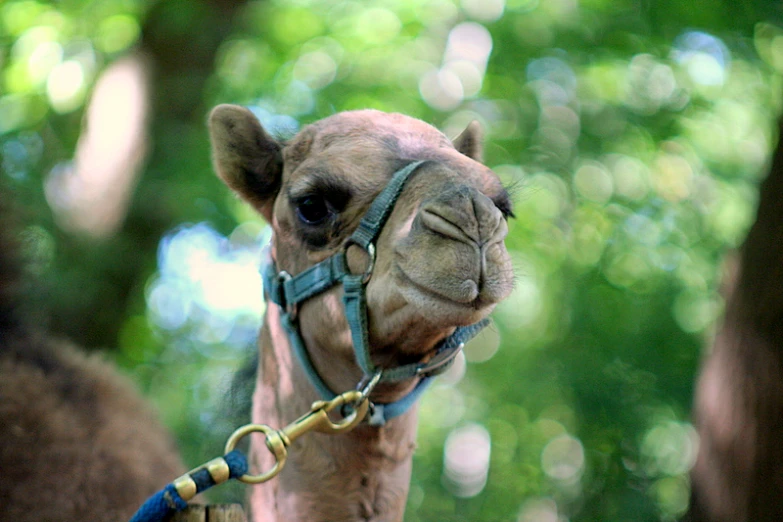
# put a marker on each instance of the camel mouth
(437, 306)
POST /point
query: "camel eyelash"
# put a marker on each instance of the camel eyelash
(503, 202)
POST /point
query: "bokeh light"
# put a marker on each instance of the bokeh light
(466, 460)
(209, 285)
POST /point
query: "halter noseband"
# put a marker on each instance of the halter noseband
(289, 291)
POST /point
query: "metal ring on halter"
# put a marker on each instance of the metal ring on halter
(370, 251)
(290, 308)
(274, 442)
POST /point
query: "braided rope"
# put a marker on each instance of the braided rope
(169, 500)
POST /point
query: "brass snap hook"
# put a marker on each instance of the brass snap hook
(274, 442)
(317, 419)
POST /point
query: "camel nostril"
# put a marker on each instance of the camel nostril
(464, 214)
(434, 220)
(489, 219)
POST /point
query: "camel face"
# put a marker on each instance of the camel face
(441, 261)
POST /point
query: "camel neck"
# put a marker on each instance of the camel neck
(357, 476)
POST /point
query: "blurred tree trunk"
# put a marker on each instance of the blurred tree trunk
(95, 283)
(738, 475)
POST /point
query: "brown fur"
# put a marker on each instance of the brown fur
(77, 443)
(441, 263)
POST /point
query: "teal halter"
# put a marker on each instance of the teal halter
(289, 291)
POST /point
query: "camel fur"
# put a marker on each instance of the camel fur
(441, 263)
(77, 443)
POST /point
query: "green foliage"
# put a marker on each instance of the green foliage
(634, 136)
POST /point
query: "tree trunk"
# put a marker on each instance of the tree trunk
(180, 39)
(738, 475)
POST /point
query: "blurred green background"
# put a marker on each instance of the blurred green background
(634, 132)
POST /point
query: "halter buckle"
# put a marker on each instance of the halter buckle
(292, 309)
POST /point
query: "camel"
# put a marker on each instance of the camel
(437, 266)
(77, 442)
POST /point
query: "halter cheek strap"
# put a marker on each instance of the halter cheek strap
(289, 291)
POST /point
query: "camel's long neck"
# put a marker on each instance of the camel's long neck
(357, 476)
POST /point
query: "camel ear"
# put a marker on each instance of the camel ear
(245, 157)
(470, 141)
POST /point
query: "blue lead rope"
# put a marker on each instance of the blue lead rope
(175, 496)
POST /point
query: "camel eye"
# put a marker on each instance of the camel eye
(313, 210)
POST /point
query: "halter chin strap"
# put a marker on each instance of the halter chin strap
(289, 291)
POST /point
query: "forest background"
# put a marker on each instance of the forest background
(635, 134)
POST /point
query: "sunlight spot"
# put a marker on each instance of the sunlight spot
(484, 346)
(437, 13)
(466, 460)
(92, 193)
(553, 72)
(672, 495)
(464, 64)
(441, 89)
(469, 41)
(208, 286)
(768, 41)
(377, 25)
(563, 458)
(704, 56)
(484, 10)
(170, 307)
(42, 60)
(295, 99)
(562, 118)
(456, 371)
(549, 93)
(523, 307)
(643, 230)
(587, 243)
(117, 33)
(547, 429)
(317, 69)
(443, 405)
(66, 86)
(416, 497)
(705, 69)
(548, 194)
(672, 176)
(29, 41)
(631, 176)
(469, 75)
(629, 269)
(593, 182)
(651, 84)
(281, 125)
(669, 448)
(539, 510)
(661, 83)
(696, 311)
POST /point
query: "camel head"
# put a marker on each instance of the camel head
(441, 262)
